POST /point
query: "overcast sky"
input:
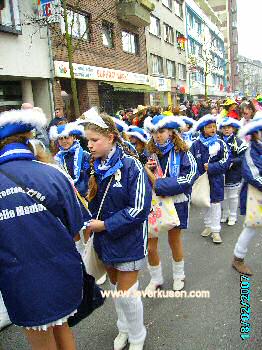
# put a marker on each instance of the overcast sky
(250, 28)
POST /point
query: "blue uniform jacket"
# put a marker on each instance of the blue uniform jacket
(125, 211)
(217, 167)
(182, 183)
(41, 270)
(237, 149)
(251, 172)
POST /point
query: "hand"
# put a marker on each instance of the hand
(87, 233)
(150, 175)
(96, 225)
(206, 166)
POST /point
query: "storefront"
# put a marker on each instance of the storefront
(10, 95)
(106, 88)
(162, 96)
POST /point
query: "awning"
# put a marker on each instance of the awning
(131, 87)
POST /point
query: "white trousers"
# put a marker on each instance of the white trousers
(212, 217)
(230, 203)
(243, 241)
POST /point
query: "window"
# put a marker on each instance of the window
(78, 25)
(130, 42)
(167, 3)
(168, 34)
(107, 34)
(157, 64)
(155, 26)
(191, 20)
(178, 7)
(198, 27)
(181, 71)
(10, 17)
(192, 47)
(171, 68)
(180, 39)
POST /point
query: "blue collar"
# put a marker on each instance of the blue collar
(208, 141)
(114, 163)
(166, 147)
(15, 151)
(228, 138)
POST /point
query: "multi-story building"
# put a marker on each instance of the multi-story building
(226, 10)
(166, 55)
(250, 76)
(24, 59)
(110, 62)
(205, 50)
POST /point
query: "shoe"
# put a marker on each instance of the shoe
(216, 237)
(178, 284)
(101, 280)
(239, 265)
(120, 341)
(224, 219)
(153, 286)
(231, 222)
(4, 323)
(207, 231)
(138, 346)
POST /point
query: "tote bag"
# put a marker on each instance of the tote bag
(200, 196)
(254, 207)
(163, 216)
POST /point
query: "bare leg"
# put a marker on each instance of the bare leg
(153, 256)
(176, 244)
(64, 337)
(41, 340)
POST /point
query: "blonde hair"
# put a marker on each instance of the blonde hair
(23, 138)
(180, 145)
(92, 184)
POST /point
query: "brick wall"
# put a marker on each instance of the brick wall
(95, 53)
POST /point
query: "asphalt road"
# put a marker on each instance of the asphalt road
(183, 324)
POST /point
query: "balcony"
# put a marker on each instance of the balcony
(135, 12)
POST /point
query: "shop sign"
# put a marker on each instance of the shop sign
(83, 71)
(160, 84)
(49, 9)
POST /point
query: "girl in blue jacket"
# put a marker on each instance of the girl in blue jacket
(120, 230)
(139, 139)
(211, 155)
(233, 177)
(180, 168)
(252, 174)
(188, 134)
(41, 270)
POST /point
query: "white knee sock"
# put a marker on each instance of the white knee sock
(3, 311)
(225, 205)
(178, 269)
(243, 241)
(207, 217)
(121, 319)
(133, 309)
(215, 217)
(156, 273)
(233, 206)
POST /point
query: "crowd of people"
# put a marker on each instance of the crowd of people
(98, 178)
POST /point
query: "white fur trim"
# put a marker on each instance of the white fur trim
(91, 116)
(138, 135)
(53, 134)
(258, 115)
(34, 117)
(161, 124)
(228, 122)
(249, 126)
(121, 123)
(203, 119)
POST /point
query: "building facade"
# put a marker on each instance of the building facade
(110, 62)
(226, 10)
(205, 51)
(166, 52)
(250, 77)
(24, 59)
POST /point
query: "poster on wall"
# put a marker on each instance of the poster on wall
(49, 9)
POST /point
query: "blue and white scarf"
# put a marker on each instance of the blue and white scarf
(166, 147)
(14, 151)
(102, 166)
(212, 144)
(77, 151)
